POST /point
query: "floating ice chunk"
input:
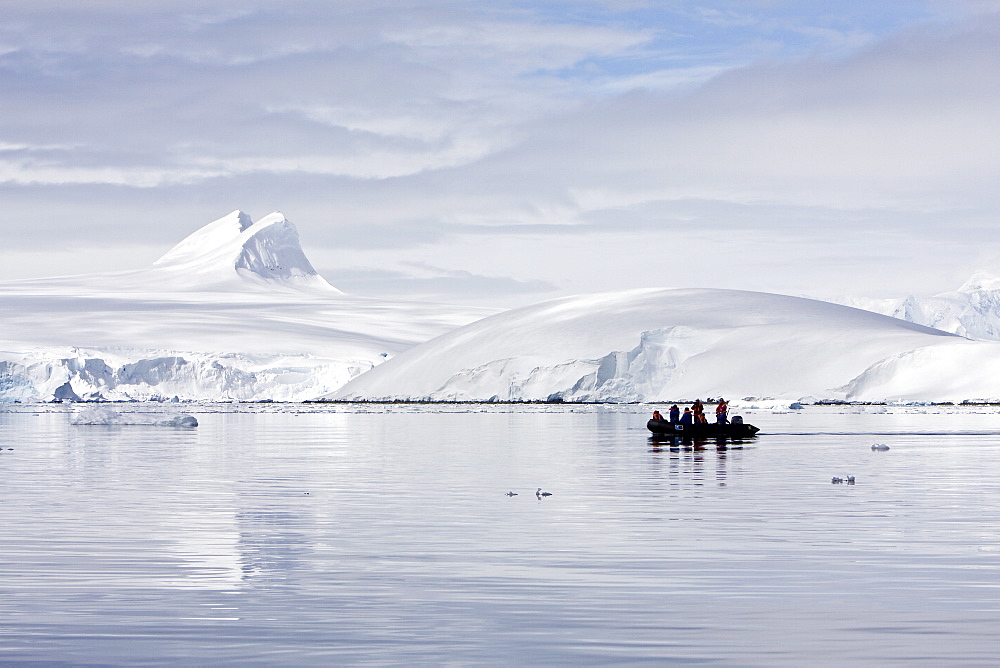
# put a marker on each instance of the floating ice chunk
(178, 421)
(881, 447)
(99, 416)
(107, 416)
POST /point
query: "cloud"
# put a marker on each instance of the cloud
(358, 89)
(512, 146)
(908, 124)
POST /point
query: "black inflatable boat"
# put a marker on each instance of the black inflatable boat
(709, 430)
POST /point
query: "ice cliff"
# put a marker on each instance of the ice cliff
(88, 375)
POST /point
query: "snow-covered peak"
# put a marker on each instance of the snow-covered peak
(207, 239)
(236, 247)
(972, 311)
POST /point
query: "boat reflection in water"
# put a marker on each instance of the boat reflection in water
(690, 460)
(659, 441)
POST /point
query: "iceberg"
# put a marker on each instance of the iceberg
(106, 416)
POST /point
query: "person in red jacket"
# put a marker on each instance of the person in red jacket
(722, 412)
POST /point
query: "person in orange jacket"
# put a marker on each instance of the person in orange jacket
(698, 409)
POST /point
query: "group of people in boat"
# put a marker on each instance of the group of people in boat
(696, 413)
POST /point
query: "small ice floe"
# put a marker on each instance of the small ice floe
(178, 421)
(796, 406)
(511, 494)
(539, 493)
(836, 480)
(850, 480)
(880, 447)
(107, 416)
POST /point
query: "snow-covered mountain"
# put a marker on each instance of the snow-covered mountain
(661, 344)
(234, 312)
(972, 311)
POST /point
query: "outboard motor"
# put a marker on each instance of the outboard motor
(737, 419)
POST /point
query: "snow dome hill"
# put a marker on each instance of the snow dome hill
(234, 311)
(660, 344)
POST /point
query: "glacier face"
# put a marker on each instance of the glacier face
(233, 312)
(643, 372)
(95, 375)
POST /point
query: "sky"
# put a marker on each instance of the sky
(501, 153)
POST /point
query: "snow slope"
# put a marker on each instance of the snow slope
(660, 344)
(234, 311)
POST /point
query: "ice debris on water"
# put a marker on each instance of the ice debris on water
(107, 416)
(880, 447)
(837, 481)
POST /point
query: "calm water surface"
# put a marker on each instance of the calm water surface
(297, 535)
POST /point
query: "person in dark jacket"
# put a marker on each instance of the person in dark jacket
(687, 417)
(675, 413)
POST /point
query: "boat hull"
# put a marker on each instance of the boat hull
(709, 430)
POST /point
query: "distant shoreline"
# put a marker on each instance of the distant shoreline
(486, 402)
